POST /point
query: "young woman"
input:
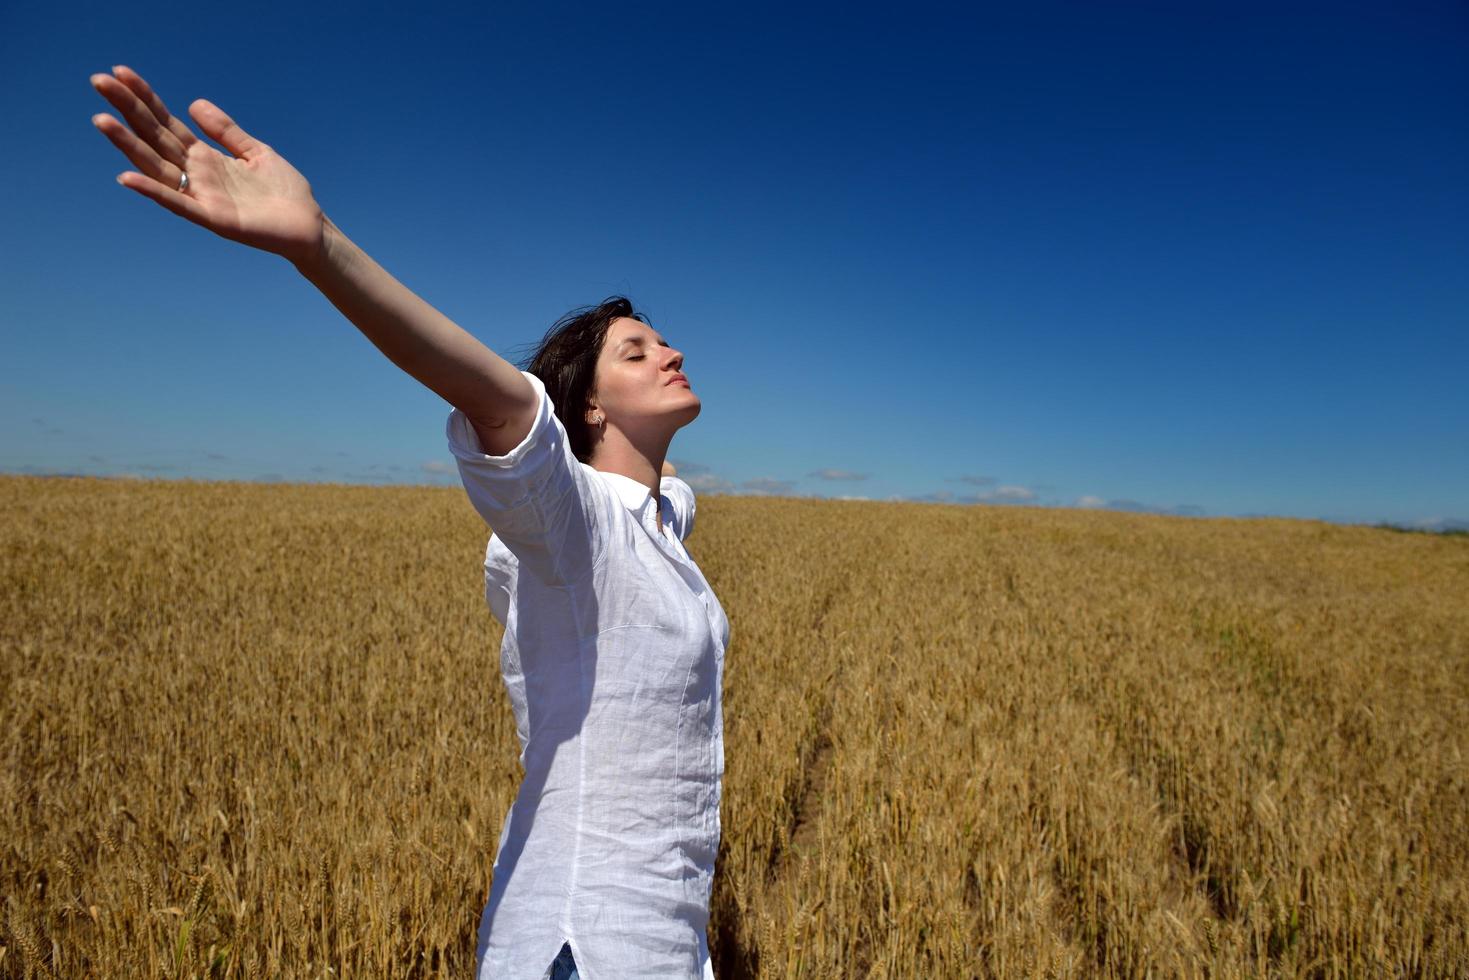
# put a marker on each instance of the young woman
(614, 644)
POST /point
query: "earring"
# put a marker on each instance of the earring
(597, 419)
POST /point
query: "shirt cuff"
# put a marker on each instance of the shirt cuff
(539, 442)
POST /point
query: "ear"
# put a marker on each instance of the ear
(594, 414)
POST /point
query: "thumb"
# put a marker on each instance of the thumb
(222, 129)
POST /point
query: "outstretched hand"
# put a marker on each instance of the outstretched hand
(249, 194)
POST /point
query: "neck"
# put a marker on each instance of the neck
(636, 459)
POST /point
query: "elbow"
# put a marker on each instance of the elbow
(503, 407)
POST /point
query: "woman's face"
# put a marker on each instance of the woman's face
(640, 383)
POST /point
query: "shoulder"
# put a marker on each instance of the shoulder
(681, 501)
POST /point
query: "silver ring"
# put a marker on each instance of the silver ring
(183, 182)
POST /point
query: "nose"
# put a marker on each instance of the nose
(675, 360)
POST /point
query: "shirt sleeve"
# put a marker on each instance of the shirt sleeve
(537, 498)
(680, 497)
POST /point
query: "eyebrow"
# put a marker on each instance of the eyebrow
(638, 340)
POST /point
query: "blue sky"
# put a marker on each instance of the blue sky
(1202, 258)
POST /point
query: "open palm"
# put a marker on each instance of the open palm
(249, 195)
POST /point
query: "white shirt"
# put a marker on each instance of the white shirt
(613, 659)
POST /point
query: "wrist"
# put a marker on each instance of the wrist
(327, 248)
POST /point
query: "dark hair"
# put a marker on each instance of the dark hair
(566, 362)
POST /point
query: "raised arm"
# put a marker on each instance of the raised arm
(253, 196)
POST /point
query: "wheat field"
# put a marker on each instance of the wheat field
(258, 731)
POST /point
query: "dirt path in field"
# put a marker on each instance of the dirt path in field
(804, 833)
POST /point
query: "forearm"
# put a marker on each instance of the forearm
(416, 337)
(250, 194)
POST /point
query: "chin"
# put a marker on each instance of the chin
(692, 412)
(689, 411)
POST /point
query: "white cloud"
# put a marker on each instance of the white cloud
(937, 497)
(437, 467)
(1089, 501)
(704, 482)
(842, 475)
(768, 486)
(1008, 495)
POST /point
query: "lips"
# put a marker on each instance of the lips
(678, 379)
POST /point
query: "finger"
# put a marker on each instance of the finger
(222, 129)
(140, 118)
(180, 204)
(149, 98)
(141, 154)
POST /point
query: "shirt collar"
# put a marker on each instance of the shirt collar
(634, 495)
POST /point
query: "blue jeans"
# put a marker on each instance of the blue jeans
(564, 967)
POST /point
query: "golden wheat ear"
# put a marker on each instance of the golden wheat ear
(959, 741)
